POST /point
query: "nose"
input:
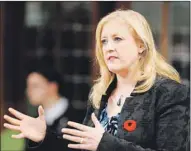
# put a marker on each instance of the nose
(109, 47)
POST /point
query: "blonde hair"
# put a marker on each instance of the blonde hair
(151, 64)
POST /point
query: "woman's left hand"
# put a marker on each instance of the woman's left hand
(87, 137)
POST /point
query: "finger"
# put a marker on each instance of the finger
(12, 120)
(18, 136)
(95, 120)
(41, 112)
(74, 132)
(72, 138)
(80, 146)
(12, 127)
(17, 113)
(79, 126)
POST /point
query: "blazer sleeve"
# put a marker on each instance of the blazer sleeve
(172, 123)
(33, 145)
(49, 137)
(87, 120)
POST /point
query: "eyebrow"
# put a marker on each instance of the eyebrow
(113, 35)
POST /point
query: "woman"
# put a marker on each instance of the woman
(137, 103)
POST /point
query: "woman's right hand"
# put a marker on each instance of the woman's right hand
(29, 127)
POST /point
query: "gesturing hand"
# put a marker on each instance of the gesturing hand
(88, 137)
(29, 127)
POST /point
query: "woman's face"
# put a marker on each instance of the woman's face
(119, 47)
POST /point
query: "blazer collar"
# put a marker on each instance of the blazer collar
(109, 90)
(113, 85)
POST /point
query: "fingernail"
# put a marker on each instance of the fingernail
(69, 122)
(10, 109)
(93, 114)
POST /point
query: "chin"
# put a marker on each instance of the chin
(115, 70)
(118, 70)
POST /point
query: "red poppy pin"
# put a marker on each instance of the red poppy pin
(130, 125)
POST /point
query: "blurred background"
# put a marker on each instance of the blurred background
(62, 33)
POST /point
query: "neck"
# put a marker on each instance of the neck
(50, 101)
(126, 81)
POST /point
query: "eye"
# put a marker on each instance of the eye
(103, 41)
(117, 39)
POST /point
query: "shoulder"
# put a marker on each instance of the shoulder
(169, 86)
(169, 92)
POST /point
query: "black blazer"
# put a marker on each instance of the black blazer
(162, 117)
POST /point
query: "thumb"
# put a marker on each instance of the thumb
(95, 120)
(41, 112)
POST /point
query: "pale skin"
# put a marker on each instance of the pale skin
(87, 137)
(29, 127)
(116, 39)
(120, 53)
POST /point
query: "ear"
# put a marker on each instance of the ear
(141, 50)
